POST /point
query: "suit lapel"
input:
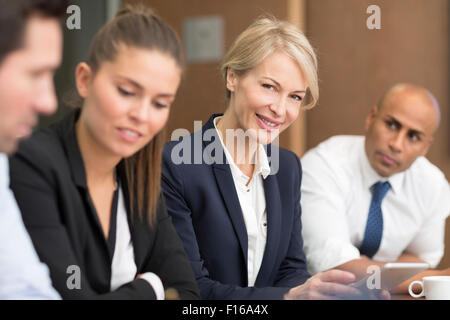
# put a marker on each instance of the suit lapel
(67, 132)
(273, 209)
(227, 188)
(225, 183)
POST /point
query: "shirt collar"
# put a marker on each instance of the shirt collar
(370, 176)
(261, 162)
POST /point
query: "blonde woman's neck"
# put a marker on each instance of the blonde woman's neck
(242, 149)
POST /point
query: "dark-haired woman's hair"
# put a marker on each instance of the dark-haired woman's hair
(14, 15)
(134, 26)
(138, 27)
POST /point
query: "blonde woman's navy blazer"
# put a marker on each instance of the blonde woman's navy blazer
(205, 209)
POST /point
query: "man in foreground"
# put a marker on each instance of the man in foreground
(30, 52)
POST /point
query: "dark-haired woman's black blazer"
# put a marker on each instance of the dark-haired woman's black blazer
(49, 182)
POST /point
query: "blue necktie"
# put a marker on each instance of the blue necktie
(374, 226)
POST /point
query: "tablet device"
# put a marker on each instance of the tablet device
(390, 275)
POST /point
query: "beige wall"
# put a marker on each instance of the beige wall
(357, 65)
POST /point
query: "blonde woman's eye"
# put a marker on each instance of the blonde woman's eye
(268, 86)
(296, 97)
(124, 92)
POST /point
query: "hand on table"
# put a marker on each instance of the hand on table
(331, 285)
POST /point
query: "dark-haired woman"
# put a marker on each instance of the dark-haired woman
(89, 185)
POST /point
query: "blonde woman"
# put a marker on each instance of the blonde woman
(238, 212)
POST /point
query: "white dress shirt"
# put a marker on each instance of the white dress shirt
(22, 275)
(336, 196)
(253, 205)
(123, 269)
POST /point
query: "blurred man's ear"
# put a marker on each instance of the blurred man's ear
(371, 117)
(83, 75)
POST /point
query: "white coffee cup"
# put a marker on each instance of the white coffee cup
(433, 288)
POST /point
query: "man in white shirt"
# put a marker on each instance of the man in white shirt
(376, 199)
(30, 51)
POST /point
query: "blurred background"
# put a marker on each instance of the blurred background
(356, 65)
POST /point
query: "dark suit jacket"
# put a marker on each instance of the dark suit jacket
(49, 182)
(204, 205)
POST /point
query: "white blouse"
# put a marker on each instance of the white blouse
(253, 205)
(123, 268)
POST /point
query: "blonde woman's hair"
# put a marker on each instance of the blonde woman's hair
(265, 36)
